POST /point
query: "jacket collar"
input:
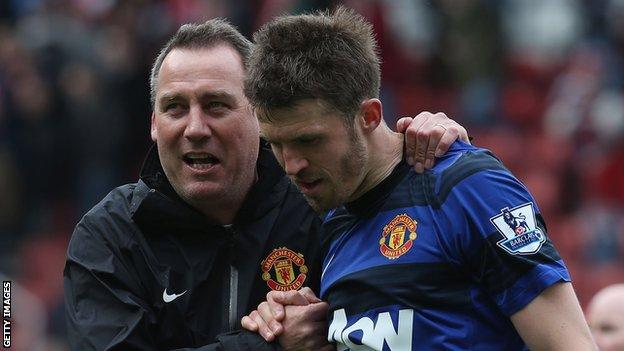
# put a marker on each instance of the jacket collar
(157, 205)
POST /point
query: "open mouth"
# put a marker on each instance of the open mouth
(200, 160)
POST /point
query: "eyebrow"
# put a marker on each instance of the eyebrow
(217, 94)
(167, 97)
(293, 138)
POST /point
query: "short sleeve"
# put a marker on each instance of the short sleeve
(493, 229)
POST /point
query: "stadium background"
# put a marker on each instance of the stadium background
(540, 82)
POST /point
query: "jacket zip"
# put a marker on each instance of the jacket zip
(232, 307)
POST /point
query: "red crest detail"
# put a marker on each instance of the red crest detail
(284, 269)
(398, 236)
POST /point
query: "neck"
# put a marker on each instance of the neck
(385, 149)
(222, 213)
(224, 210)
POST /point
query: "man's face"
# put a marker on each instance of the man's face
(318, 152)
(203, 125)
(606, 319)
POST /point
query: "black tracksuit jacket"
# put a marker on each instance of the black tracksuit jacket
(145, 271)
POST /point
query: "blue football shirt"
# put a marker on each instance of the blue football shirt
(437, 261)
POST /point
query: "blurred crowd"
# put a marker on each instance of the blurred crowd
(540, 83)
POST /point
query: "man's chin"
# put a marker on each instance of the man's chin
(318, 205)
(194, 194)
(207, 195)
(315, 206)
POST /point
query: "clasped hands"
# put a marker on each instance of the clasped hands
(296, 319)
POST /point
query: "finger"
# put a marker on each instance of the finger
(266, 313)
(444, 120)
(422, 140)
(249, 324)
(411, 136)
(309, 295)
(434, 138)
(463, 134)
(403, 123)
(285, 298)
(278, 299)
(277, 308)
(428, 136)
(447, 139)
(263, 328)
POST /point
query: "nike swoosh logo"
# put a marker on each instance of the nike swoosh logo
(168, 298)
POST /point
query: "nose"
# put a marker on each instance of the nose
(294, 162)
(198, 124)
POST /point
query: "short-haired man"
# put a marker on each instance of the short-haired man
(605, 314)
(174, 260)
(413, 261)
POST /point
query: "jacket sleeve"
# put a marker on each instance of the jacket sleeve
(103, 305)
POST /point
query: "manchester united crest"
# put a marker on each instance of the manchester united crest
(284, 269)
(398, 236)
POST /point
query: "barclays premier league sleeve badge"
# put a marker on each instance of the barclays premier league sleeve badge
(519, 229)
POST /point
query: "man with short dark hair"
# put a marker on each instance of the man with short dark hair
(413, 261)
(176, 259)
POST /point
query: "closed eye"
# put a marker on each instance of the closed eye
(307, 141)
(216, 104)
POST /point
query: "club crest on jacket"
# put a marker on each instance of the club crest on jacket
(284, 269)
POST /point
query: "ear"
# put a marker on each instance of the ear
(153, 128)
(371, 114)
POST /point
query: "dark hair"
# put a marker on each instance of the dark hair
(198, 36)
(331, 56)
